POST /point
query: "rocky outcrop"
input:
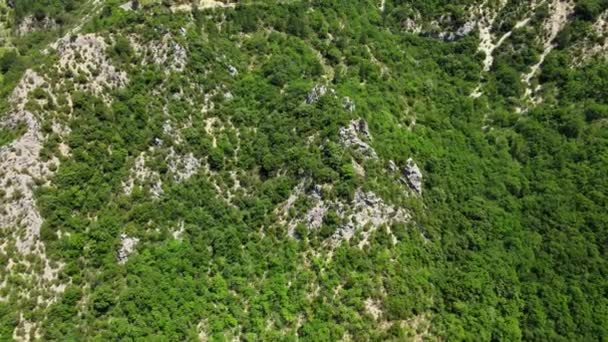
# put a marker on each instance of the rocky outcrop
(356, 136)
(365, 210)
(127, 247)
(316, 93)
(21, 167)
(413, 176)
(21, 170)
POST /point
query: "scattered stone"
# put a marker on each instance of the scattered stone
(318, 91)
(140, 174)
(127, 6)
(167, 53)
(413, 176)
(348, 104)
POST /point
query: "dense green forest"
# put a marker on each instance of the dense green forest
(185, 153)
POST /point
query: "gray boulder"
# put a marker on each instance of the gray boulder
(413, 176)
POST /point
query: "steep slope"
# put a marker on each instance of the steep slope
(315, 170)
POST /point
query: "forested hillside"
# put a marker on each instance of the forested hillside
(315, 170)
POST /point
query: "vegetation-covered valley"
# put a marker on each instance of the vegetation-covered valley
(304, 170)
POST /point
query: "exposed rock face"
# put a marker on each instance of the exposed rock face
(178, 232)
(355, 136)
(21, 166)
(127, 247)
(413, 176)
(85, 57)
(365, 210)
(601, 24)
